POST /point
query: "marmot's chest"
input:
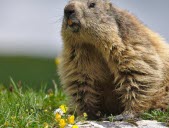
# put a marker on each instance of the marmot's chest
(89, 61)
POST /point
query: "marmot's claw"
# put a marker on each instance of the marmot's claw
(124, 116)
(118, 118)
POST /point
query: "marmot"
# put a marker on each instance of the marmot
(111, 62)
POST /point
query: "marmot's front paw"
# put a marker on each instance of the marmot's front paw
(125, 116)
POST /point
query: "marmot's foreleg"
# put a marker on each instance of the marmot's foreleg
(85, 97)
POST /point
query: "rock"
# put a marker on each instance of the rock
(122, 124)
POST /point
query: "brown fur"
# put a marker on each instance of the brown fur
(114, 64)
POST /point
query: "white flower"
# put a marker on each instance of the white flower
(59, 111)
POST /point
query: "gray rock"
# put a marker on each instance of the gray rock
(122, 124)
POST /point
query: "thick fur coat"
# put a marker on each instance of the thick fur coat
(112, 63)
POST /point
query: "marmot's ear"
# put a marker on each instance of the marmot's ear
(108, 5)
(111, 8)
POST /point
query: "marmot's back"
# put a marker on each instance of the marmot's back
(111, 62)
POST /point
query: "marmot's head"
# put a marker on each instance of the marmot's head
(88, 19)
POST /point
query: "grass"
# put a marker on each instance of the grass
(21, 108)
(158, 115)
(29, 108)
(32, 71)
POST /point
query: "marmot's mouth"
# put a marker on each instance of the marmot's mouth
(73, 24)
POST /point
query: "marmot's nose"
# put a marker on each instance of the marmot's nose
(69, 10)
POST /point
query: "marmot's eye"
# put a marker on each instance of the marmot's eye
(92, 5)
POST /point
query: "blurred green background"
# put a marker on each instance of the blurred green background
(31, 71)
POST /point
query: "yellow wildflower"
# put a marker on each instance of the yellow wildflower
(85, 114)
(63, 108)
(46, 125)
(13, 117)
(6, 124)
(75, 126)
(57, 61)
(71, 119)
(62, 123)
(45, 110)
(57, 117)
(51, 94)
(31, 110)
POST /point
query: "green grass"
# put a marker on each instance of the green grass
(29, 108)
(158, 115)
(21, 108)
(32, 71)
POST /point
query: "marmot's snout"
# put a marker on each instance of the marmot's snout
(69, 10)
(70, 14)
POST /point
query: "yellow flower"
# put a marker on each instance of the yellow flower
(6, 124)
(85, 114)
(13, 117)
(57, 61)
(57, 117)
(75, 126)
(46, 125)
(31, 110)
(71, 119)
(62, 123)
(51, 94)
(45, 110)
(63, 108)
